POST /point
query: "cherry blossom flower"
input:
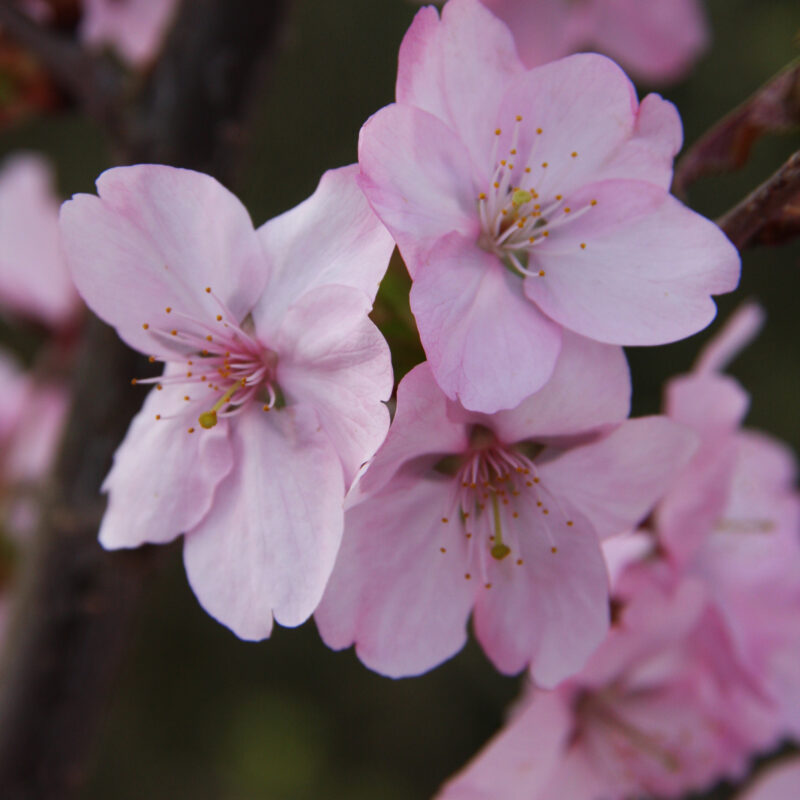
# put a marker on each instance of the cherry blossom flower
(34, 280)
(274, 375)
(540, 192)
(500, 514)
(780, 781)
(657, 41)
(134, 28)
(732, 518)
(661, 709)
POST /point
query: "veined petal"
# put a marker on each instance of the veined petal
(333, 237)
(583, 104)
(418, 177)
(590, 388)
(646, 272)
(552, 611)
(486, 344)
(394, 592)
(456, 69)
(268, 545)
(156, 237)
(164, 478)
(332, 357)
(420, 427)
(616, 481)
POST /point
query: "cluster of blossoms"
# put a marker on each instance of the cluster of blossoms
(628, 565)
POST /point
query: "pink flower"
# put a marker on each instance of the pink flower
(656, 40)
(500, 514)
(31, 422)
(274, 375)
(34, 280)
(780, 781)
(661, 709)
(733, 518)
(529, 202)
(134, 28)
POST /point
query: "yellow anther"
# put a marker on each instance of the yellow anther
(538, 130)
(208, 290)
(583, 245)
(554, 550)
(574, 154)
(208, 419)
(519, 118)
(520, 197)
(544, 163)
(168, 309)
(145, 325)
(497, 131)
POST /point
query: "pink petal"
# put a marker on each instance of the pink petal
(779, 781)
(582, 104)
(517, 761)
(267, 546)
(648, 155)
(590, 387)
(544, 30)
(393, 593)
(552, 611)
(646, 273)
(34, 280)
(332, 357)
(37, 433)
(420, 427)
(135, 28)
(417, 176)
(163, 479)
(156, 237)
(617, 480)
(456, 68)
(657, 40)
(738, 331)
(486, 344)
(330, 238)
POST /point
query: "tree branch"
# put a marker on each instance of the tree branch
(72, 619)
(770, 214)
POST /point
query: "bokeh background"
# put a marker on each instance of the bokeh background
(197, 713)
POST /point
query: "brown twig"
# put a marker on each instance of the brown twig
(770, 214)
(71, 621)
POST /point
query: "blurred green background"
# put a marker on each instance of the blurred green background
(197, 713)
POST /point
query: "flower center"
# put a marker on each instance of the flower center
(515, 218)
(601, 711)
(495, 489)
(219, 357)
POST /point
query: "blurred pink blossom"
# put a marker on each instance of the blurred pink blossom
(31, 421)
(733, 518)
(661, 709)
(780, 781)
(544, 193)
(134, 28)
(271, 396)
(499, 515)
(34, 280)
(655, 40)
